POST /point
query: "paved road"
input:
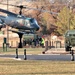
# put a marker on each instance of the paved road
(53, 57)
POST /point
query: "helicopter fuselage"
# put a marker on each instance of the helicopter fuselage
(21, 23)
(18, 21)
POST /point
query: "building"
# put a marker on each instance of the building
(12, 38)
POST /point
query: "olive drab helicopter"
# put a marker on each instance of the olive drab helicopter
(18, 21)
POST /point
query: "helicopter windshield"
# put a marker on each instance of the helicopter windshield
(26, 23)
(20, 20)
(33, 21)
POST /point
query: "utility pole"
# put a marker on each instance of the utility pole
(68, 15)
(69, 5)
(7, 30)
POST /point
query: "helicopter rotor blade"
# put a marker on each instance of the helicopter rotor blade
(7, 12)
(25, 7)
(6, 4)
(41, 10)
(19, 6)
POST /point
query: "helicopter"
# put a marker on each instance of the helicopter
(22, 23)
(18, 21)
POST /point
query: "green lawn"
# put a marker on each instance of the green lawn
(21, 50)
(10, 66)
(32, 67)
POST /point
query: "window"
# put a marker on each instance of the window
(26, 23)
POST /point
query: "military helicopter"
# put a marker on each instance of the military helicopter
(18, 21)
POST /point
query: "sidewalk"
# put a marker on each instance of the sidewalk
(57, 51)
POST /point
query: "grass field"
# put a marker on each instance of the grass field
(21, 50)
(10, 66)
(30, 67)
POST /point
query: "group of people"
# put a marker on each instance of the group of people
(34, 42)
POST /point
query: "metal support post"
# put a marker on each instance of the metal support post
(16, 52)
(72, 55)
(25, 57)
(3, 47)
(46, 47)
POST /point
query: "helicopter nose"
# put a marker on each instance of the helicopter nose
(38, 27)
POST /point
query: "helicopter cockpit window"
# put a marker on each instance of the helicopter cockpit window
(26, 22)
(36, 22)
(33, 21)
(20, 20)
